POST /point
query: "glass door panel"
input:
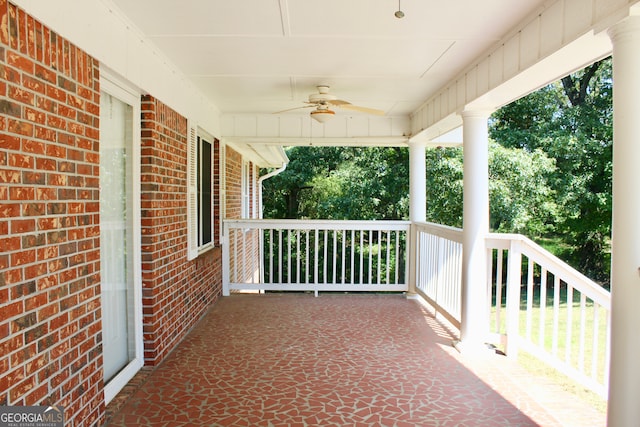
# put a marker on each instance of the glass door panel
(116, 231)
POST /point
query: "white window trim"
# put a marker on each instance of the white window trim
(193, 216)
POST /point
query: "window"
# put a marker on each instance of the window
(200, 215)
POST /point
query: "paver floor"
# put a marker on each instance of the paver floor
(334, 360)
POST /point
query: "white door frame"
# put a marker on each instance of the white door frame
(119, 89)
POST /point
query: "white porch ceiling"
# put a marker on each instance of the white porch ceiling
(262, 56)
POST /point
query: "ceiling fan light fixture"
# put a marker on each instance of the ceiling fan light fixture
(322, 116)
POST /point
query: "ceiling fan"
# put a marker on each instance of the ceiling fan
(323, 101)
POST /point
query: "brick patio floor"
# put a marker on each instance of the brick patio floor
(336, 360)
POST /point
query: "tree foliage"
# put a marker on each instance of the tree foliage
(571, 121)
(341, 183)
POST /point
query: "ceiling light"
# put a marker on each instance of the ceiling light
(322, 116)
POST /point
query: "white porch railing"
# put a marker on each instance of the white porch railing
(539, 304)
(439, 268)
(550, 310)
(315, 256)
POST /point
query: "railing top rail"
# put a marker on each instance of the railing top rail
(553, 264)
(317, 224)
(444, 231)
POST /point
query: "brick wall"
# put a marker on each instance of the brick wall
(233, 182)
(246, 268)
(50, 342)
(176, 292)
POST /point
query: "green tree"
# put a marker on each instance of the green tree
(340, 183)
(444, 186)
(520, 194)
(571, 121)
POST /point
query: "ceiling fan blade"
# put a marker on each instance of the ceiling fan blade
(338, 102)
(294, 108)
(367, 110)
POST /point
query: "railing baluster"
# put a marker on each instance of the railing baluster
(398, 264)
(514, 282)
(271, 255)
(569, 324)
(556, 314)
(288, 236)
(378, 279)
(583, 323)
(316, 273)
(298, 256)
(370, 255)
(335, 258)
(344, 255)
(499, 254)
(325, 259)
(353, 255)
(543, 311)
(280, 263)
(596, 330)
(361, 279)
(387, 261)
(530, 286)
(306, 258)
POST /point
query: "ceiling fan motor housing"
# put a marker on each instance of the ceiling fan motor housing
(321, 98)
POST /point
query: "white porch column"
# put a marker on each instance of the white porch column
(475, 223)
(417, 204)
(624, 386)
(417, 182)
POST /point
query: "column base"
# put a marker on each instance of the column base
(475, 348)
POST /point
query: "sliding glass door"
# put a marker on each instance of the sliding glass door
(119, 237)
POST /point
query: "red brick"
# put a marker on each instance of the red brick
(56, 93)
(46, 104)
(45, 74)
(4, 29)
(8, 311)
(22, 193)
(23, 257)
(13, 26)
(19, 160)
(9, 176)
(13, 276)
(22, 31)
(23, 226)
(56, 151)
(33, 178)
(34, 271)
(47, 282)
(9, 210)
(48, 223)
(56, 122)
(39, 42)
(33, 147)
(45, 193)
(20, 62)
(34, 115)
(21, 95)
(33, 84)
(45, 133)
(9, 142)
(18, 390)
(20, 127)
